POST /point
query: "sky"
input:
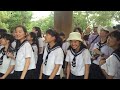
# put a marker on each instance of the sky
(40, 14)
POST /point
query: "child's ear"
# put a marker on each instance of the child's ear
(26, 34)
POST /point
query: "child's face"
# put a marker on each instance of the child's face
(29, 38)
(4, 41)
(75, 44)
(20, 34)
(33, 30)
(112, 41)
(49, 38)
(103, 33)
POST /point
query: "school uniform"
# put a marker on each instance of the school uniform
(51, 57)
(40, 56)
(112, 66)
(24, 51)
(13, 44)
(92, 40)
(95, 70)
(35, 50)
(77, 62)
(5, 63)
(65, 47)
(1, 46)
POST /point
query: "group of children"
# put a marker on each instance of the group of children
(26, 56)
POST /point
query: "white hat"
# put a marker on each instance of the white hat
(95, 26)
(74, 36)
(110, 29)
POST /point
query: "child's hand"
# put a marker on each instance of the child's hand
(10, 55)
(96, 51)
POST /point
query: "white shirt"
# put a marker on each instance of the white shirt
(65, 46)
(112, 67)
(24, 52)
(91, 38)
(81, 60)
(55, 57)
(35, 52)
(106, 50)
(1, 47)
(41, 45)
(7, 62)
(13, 44)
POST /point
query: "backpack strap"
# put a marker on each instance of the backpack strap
(94, 39)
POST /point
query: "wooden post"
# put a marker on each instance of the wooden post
(63, 21)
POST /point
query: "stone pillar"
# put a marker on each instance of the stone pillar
(63, 21)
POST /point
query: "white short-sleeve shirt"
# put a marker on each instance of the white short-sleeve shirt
(7, 62)
(112, 67)
(55, 57)
(41, 45)
(65, 46)
(106, 50)
(35, 48)
(81, 60)
(14, 44)
(24, 52)
(91, 38)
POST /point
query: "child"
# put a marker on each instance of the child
(111, 66)
(100, 49)
(53, 56)
(34, 43)
(78, 58)
(93, 38)
(65, 46)
(38, 33)
(7, 62)
(25, 60)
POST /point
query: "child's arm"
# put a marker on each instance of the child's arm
(27, 63)
(54, 72)
(41, 71)
(9, 70)
(87, 66)
(68, 70)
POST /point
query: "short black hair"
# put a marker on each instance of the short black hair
(8, 37)
(118, 27)
(62, 34)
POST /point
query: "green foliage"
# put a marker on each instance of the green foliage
(9, 19)
(45, 23)
(103, 18)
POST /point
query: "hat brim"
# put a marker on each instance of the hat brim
(69, 39)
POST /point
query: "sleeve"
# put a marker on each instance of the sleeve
(67, 59)
(45, 53)
(12, 62)
(59, 56)
(28, 50)
(35, 52)
(95, 46)
(63, 47)
(41, 43)
(89, 39)
(87, 56)
(110, 66)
